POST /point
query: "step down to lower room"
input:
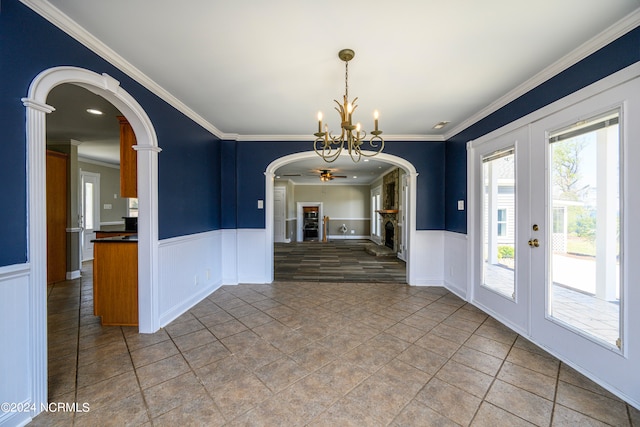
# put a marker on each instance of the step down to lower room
(379, 250)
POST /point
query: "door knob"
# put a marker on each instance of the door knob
(534, 243)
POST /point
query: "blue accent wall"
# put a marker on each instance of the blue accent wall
(427, 157)
(614, 57)
(189, 178)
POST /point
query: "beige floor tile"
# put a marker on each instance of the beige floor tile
(173, 393)
(197, 412)
(544, 364)
(416, 414)
(566, 417)
(345, 413)
(488, 346)
(240, 395)
(478, 360)
(438, 345)
(465, 378)
(152, 353)
(161, 371)
(491, 416)
(522, 403)
(205, 354)
(326, 361)
(313, 356)
(194, 339)
(281, 373)
(422, 359)
(594, 405)
(449, 401)
(537, 383)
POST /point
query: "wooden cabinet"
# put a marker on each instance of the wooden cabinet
(56, 216)
(104, 234)
(128, 160)
(115, 282)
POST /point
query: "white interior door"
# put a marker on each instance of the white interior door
(583, 288)
(279, 208)
(90, 221)
(501, 214)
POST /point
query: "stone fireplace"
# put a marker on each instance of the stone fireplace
(389, 211)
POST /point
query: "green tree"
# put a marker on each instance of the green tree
(566, 166)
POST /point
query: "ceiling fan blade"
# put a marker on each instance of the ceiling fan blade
(338, 176)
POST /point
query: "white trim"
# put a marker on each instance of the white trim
(111, 223)
(74, 230)
(15, 270)
(72, 275)
(98, 162)
(412, 177)
(36, 109)
(593, 89)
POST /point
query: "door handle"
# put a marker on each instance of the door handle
(534, 243)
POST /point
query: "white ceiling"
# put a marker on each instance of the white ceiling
(258, 70)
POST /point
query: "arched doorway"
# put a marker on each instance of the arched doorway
(147, 148)
(409, 169)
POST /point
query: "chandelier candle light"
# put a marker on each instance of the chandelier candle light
(352, 137)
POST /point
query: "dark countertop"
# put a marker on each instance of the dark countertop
(118, 239)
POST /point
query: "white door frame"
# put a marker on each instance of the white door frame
(147, 148)
(300, 219)
(95, 177)
(269, 173)
(283, 237)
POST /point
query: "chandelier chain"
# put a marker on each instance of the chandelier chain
(346, 79)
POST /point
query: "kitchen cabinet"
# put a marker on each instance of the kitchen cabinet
(115, 280)
(128, 160)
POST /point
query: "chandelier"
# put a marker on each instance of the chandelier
(352, 137)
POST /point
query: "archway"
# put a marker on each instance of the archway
(147, 148)
(388, 158)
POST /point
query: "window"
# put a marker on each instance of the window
(502, 222)
(132, 207)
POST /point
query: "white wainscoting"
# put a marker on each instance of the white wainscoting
(15, 335)
(190, 268)
(254, 255)
(426, 255)
(229, 257)
(455, 263)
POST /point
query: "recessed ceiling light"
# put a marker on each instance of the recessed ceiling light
(354, 177)
(366, 160)
(94, 111)
(440, 125)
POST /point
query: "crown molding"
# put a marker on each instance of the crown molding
(66, 24)
(596, 43)
(310, 138)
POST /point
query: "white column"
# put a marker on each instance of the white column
(148, 280)
(37, 226)
(606, 217)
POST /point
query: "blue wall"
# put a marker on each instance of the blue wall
(617, 55)
(189, 178)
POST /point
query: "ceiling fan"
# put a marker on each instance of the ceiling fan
(326, 175)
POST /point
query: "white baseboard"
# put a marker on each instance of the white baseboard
(71, 275)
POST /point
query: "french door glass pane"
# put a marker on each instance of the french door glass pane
(499, 214)
(584, 250)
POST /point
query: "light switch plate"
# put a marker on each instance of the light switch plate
(260, 204)
(460, 205)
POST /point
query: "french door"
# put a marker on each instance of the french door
(554, 238)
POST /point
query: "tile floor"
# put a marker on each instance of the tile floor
(316, 354)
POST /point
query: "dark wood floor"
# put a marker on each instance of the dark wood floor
(335, 261)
